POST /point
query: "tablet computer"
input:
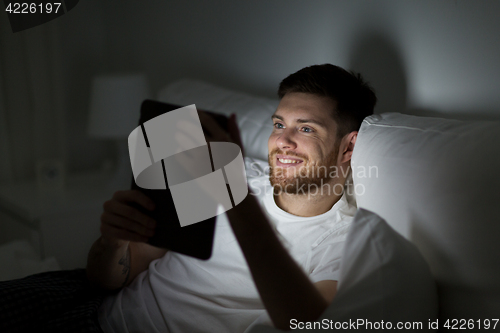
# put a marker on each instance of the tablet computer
(194, 240)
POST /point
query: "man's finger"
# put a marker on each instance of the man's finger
(109, 231)
(136, 197)
(117, 208)
(129, 225)
(216, 133)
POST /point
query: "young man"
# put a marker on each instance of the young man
(276, 255)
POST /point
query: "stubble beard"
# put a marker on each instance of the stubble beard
(300, 180)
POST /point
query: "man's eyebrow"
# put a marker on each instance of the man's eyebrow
(312, 121)
(303, 121)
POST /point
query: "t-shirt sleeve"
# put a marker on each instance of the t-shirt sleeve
(325, 261)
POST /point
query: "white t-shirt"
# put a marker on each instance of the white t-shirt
(183, 294)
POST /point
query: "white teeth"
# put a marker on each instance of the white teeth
(288, 161)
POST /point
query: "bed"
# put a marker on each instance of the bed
(433, 181)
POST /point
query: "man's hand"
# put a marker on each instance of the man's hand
(217, 133)
(121, 253)
(122, 221)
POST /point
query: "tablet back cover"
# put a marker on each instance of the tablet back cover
(194, 240)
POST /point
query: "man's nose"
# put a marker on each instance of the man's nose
(286, 140)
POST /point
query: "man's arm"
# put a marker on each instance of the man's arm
(327, 289)
(285, 290)
(121, 253)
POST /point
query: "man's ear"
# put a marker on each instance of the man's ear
(347, 146)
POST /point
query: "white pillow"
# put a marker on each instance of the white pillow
(253, 114)
(436, 181)
(384, 280)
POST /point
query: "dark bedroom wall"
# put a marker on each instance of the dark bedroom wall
(446, 51)
(84, 49)
(247, 45)
(423, 57)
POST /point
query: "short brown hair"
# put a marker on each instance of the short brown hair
(355, 98)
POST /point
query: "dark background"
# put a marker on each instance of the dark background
(423, 57)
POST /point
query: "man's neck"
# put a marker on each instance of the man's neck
(308, 204)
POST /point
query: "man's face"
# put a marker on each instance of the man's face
(303, 148)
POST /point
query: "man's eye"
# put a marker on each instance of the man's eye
(307, 129)
(278, 125)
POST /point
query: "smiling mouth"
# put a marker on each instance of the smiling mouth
(287, 161)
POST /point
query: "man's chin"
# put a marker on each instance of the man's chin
(288, 186)
(301, 186)
(290, 173)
